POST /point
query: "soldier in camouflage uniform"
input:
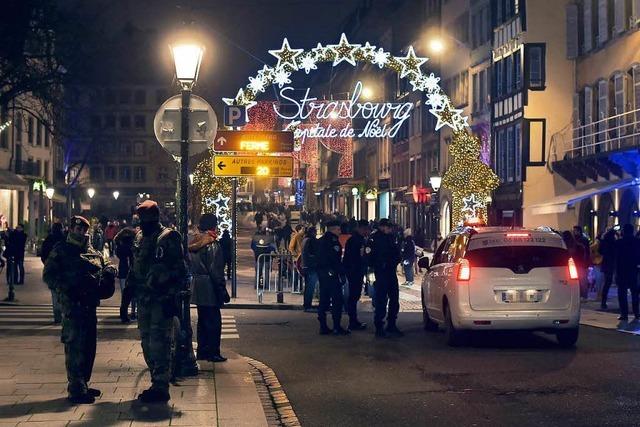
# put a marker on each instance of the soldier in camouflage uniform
(157, 275)
(80, 277)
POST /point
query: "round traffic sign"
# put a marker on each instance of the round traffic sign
(203, 125)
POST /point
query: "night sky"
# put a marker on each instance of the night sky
(238, 33)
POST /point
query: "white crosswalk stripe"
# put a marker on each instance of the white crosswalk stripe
(40, 318)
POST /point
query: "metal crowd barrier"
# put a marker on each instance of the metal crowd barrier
(277, 273)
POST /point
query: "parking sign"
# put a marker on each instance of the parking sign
(235, 115)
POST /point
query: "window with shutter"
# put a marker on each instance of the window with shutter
(620, 16)
(587, 28)
(603, 22)
(572, 30)
(588, 119)
(499, 78)
(509, 74)
(603, 109)
(619, 100)
(536, 66)
(518, 151)
(510, 154)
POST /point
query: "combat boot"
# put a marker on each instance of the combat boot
(153, 395)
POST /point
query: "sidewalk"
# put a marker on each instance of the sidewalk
(33, 389)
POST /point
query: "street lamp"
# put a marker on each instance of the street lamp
(92, 192)
(367, 92)
(50, 191)
(436, 46)
(435, 180)
(116, 194)
(187, 58)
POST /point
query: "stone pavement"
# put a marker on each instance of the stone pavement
(33, 389)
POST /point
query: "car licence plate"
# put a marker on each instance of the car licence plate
(521, 296)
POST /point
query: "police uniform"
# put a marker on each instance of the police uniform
(80, 276)
(157, 275)
(330, 273)
(354, 266)
(384, 256)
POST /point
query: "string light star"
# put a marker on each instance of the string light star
(411, 63)
(257, 84)
(344, 51)
(240, 99)
(418, 84)
(367, 51)
(281, 77)
(286, 56)
(472, 204)
(308, 63)
(436, 100)
(266, 73)
(431, 83)
(222, 201)
(319, 52)
(446, 116)
(380, 58)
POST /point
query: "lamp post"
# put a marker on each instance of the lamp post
(187, 58)
(435, 180)
(50, 192)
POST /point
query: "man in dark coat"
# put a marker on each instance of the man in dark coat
(355, 267)
(53, 238)
(331, 276)
(607, 267)
(16, 242)
(226, 245)
(627, 258)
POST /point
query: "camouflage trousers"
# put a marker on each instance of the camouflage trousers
(79, 336)
(156, 336)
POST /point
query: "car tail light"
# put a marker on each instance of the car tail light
(518, 235)
(464, 270)
(573, 271)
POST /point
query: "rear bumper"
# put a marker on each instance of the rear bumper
(518, 320)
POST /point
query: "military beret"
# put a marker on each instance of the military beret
(80, 220)
(148, 211)
(385, 222)
(333, 223)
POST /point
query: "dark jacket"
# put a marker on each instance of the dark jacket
(309, 253)
(207, 266)
(408, 249)
(329, 262)
(16, 243)
(48, 244)
(225, 245)
(627, 259)
(124, 250)
(608, 251)
(353, 259)
(382, 252)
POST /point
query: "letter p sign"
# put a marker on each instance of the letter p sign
(235, 115)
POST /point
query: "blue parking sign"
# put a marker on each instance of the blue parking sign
(235, 115)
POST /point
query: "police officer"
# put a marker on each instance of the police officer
(384, 256)
(157, 275)
(331, 276)
(355, 267)
(80, 277)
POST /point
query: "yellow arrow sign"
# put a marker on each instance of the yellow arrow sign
(279, 166)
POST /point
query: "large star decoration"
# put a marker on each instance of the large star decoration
(411, 63)
(448, 116)
(472, 204)
(344, 51)
(222, 203)
(286, 56)
(367, 51)
(240, 99)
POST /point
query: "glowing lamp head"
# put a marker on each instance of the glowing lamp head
(367, 92)
(435, 181)
(50, 192)
(91, 192)
(116, 194)
(436, 46)
(187, 58)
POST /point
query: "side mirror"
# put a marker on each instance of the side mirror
(424, 262)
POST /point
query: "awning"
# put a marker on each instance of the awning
(559, 204)
(11, 181)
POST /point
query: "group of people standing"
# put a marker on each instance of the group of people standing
(155, 275)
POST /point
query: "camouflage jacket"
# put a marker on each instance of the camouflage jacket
(78, 275)
(158, 271)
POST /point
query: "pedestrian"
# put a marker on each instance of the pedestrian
(584, 260)
(355, 268)
(384, 256)
(16, 243)
(81, 277)
(208, 288)
(110, 234)
(331, 277)
(55, 236)
(309, 263)
(226, 244)
(157, 275)
(408, 257)
(123, 245)
(607, 266)
(258, 218)
(627, 258)
(97, 238)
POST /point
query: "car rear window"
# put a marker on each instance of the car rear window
(519, 259)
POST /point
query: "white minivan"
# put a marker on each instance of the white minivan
(497, 278)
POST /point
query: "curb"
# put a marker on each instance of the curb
(277, 406)
(258, 306)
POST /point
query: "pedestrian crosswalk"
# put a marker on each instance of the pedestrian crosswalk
(40, 318)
